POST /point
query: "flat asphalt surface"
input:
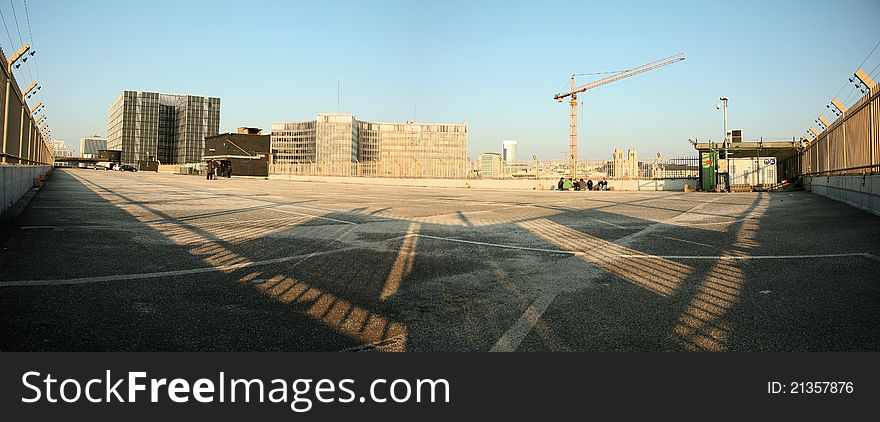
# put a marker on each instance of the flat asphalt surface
(103, 260)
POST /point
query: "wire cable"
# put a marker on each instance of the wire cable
(11, 43)
(31, 39)
(869, 54)
(20, 38)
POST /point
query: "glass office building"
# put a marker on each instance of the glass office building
(508, 151)
(339, 144)
(169, 128)
(90, 145)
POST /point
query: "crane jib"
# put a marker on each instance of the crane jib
(573, 126)
(622, 75)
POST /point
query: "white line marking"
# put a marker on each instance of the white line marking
(163, 274)
(744, 257)
(315, 216)
(496, 245)
(517, 332)
(872, 256)
(514, 336)
(65, 207)
(688, 223)
(649, 256)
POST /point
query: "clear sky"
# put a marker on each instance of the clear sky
(494, 65)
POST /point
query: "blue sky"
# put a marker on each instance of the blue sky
(494, 65)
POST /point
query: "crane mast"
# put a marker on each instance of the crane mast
(575, 90)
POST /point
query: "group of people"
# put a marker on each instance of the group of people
(568, 184)
(217, 168)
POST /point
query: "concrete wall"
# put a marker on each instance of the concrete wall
(627, 185)
(15, 181)
(857, 191)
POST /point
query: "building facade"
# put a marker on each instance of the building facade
(508, 151)
(625, 167)
(491, 165)
(170, 128)
(339, 144)
(90, 145)
(244, 153)
(59, 149)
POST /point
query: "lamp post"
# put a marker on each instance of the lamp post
(537, 167)
(723, 105)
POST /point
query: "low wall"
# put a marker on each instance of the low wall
(857, 191)
(15, 181)
(513, 184)
(168, 168)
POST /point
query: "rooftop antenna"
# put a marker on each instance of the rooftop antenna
(338, 82)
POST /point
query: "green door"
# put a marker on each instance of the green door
(707, 170)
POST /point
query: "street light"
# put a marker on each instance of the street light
(723, 105)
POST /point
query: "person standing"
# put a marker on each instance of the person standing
(561, 183)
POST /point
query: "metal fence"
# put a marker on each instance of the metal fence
(22, 140)
(646, 168)
(850, 145)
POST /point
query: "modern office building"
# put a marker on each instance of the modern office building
(90, 145)
(340, 144)
(491, 165)
(508, 151)
(170, 128)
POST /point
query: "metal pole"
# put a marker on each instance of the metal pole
(6, 114)
(21, 135)
(573, 131)
(727, 177)
(725, 127)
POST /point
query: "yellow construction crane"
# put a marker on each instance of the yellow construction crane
(575, 90)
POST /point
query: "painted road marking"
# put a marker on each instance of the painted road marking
(513, 337)
(314, 216)
(496, 245)
(174, 273)
(649, 256)
(746, 257)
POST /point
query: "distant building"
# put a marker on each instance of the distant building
(246, 151)
(170, 128)
(508, 151)
(90, 145)
(625, 167)
(59, 149)
(491, 165)
(339, 144)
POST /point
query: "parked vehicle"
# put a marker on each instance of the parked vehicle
(128, 167)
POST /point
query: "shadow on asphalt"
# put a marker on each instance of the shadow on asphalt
(273, 286)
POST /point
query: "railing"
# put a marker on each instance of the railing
(21, 141)
(850, 145)
(649, 168)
